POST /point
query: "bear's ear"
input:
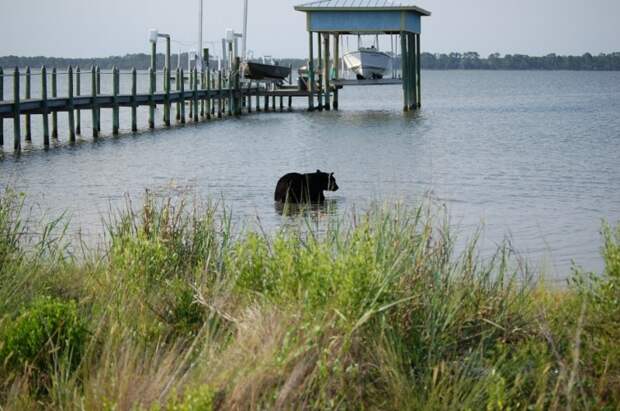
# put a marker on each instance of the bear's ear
(318, 171)
(331, 174)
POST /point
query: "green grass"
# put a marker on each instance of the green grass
(178, 311)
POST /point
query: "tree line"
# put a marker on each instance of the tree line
(429, 61)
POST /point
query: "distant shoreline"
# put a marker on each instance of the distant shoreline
(439, 61)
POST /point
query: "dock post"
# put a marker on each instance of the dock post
(98, 93)
(167, 96)
(290, 103)
(249, 97)
(195, 96)
(191, 87)
(219, 94)
(93, 75)
(209, 101)
(326, 70)
(70, 112)
(178, 82)
(412, 72)
(281, 103)
(273, 102)
(134, 92)
(230, 86)
(336, 69)
(214, 88)
(28, 136)
(78, 93)
(404, 68)
(182, 97)
(44, 112)
(151, 98)
(321, 81)
(257, 96)
(1, 98)
(54, 95)
(310, 85)
(115, 89)
(419, 70)
(17, 137)
(266, 100)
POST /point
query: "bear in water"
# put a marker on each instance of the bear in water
(304, 188)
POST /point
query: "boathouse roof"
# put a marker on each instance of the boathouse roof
(363, 16)
(362, 5)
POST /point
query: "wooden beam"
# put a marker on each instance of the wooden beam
(134, 90)
(46, 130)
(78, 93)
(27, 95)
(115, 92)
(54, 95)
(336, 68)
(326, 69)
(70, 112)
(310, 73)
(93, 82)
(17, 137)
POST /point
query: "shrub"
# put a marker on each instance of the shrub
(46, 331)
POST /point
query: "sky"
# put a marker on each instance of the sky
(94, 28)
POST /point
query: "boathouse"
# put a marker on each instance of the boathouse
(330, 19)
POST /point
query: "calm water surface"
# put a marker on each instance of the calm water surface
(533, 156)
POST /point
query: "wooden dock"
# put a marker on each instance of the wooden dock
(208, 94)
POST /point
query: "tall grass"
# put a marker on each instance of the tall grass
(177, 311)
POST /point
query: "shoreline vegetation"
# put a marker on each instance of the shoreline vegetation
(429, 61)
(179, 311)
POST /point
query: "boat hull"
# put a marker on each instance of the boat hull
(258, 71)
(367, 64)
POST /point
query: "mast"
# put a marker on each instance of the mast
(245, 30)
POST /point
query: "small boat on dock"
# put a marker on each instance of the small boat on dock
(260, 71)
(368, 63)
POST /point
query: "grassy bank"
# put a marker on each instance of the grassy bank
(178, 312)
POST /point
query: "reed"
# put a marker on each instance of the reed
(178, 310)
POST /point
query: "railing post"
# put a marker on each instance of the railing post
(151, 98)
(179, 80)
(195, 96)
(98, 93)
(54, 95)
(219, 94)
(167, 96)
(46, 127)
(78, 93)
(17, 143)
(1, 99)
(28, 136)
(134, 92)
(93, 83)
(182, 97)
(71, 114)
(115, 109)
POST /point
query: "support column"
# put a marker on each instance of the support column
(44, 110)
(310, 72)
(28, 136)
(17, 135)
(419, 68)
(336, 68)
(320, 71)
(413, 103)
(326, 71)
(404, 63)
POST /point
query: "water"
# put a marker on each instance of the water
(529, 155)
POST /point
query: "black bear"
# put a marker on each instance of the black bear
(304, 188)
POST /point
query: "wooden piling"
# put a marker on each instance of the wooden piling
(336, 68)
(115, 107)
(310, 85)
(281, 103)
(95, 112)
(321, 80)
(266, 100)
(219, 94)
(273, 103)
(17, 138)
(419, 70)
(204, 108)
(195, 96)
(151, 98)
(78, 92)
(209, 101)
(182, 97)
(54, 95)
(70, 112)
(404, 61)
(290, 103)
(230, 88)
(1, 99)
(167, 96)
(134, 92)
(98, 93)
(258, 109)
(44, 111)
(27, 95)
(178, 87)
(326, 69)
(249, 97)
(213, 87)
(191, 88)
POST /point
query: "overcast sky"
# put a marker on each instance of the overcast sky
(93, 28)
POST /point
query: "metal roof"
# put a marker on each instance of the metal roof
(361, 5)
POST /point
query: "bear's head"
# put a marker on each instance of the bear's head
(329, 179)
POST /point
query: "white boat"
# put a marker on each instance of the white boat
(367, 63)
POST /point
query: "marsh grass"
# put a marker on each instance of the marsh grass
(178, 311)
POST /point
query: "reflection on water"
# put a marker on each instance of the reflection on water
(314, 211)
(530, 155)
